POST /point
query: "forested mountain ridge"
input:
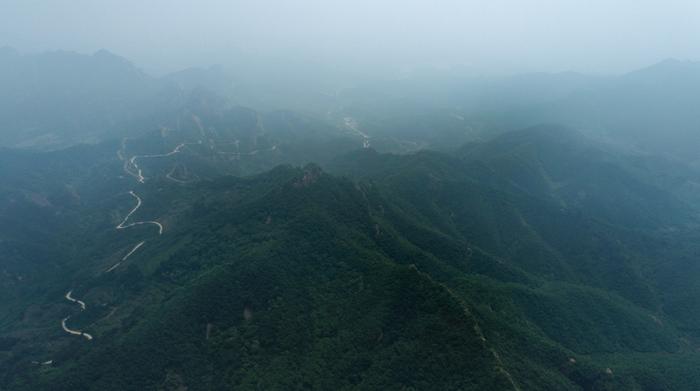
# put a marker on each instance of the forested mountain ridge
(279, 271)
(537, 260)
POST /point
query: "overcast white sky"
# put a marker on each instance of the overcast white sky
(518, 35)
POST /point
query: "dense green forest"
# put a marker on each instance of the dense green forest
(537, 260)
(426, 233)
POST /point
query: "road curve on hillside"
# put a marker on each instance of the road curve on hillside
(132, 162)
(74, 332)
(69, 297)
(124, 225)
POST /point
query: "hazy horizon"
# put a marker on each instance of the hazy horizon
(495, 37)
(349, 195)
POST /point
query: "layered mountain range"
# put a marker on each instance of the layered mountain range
(165, 237)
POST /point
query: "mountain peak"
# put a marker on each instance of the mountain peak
(674, 64)
(106, 56)
(670, 67)
(105, 53)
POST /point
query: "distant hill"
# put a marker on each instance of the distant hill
(91, 98)
(59, 98)
(652, 109)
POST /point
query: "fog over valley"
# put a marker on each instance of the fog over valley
(336, 195)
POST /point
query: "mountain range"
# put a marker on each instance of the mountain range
(189, 242)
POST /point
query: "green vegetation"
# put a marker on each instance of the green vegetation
(538, 260)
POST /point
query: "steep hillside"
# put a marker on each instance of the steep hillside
(538, 260)
(250, 278)
(563, 244)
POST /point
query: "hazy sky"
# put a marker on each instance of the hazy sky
(550, 35)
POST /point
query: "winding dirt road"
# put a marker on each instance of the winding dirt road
(74, 300)
(131, 167)
(132, 162)
(123, 224)
(139, 176)
(68, 330)
(74, 332)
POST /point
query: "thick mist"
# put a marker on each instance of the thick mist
(486, 36)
